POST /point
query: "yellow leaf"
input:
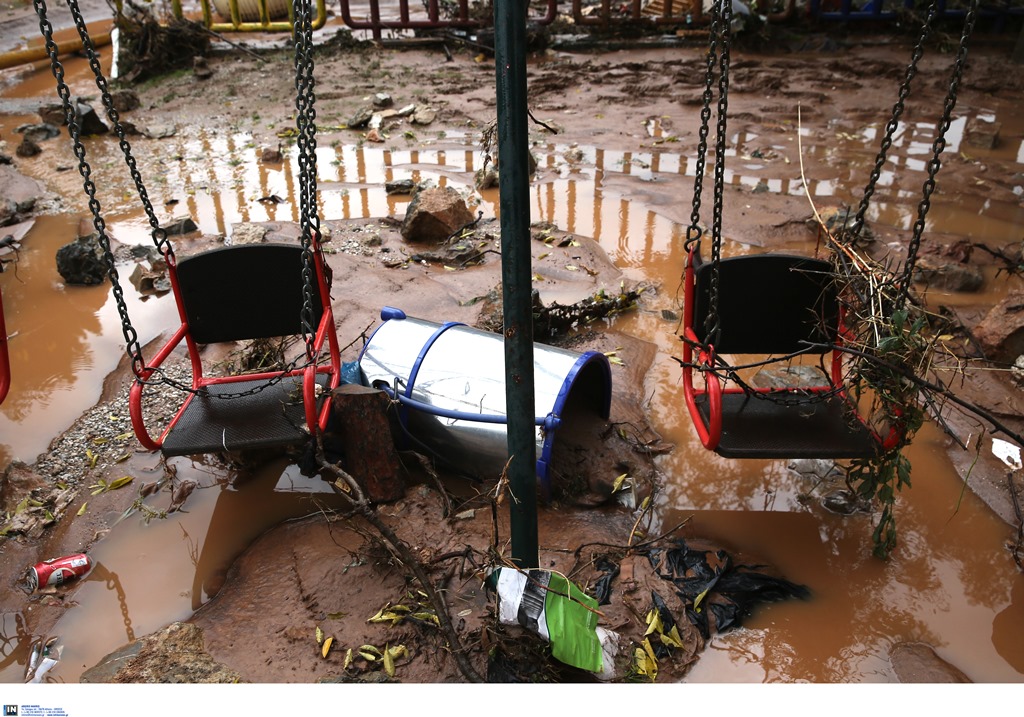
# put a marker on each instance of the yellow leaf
(81, 511)
(122, 436)
(699, 598)
(672, 638)
(389, 663)
(654, 622)
(373, 651)
(368, 656)
(946, 337)
(319, 636)
(428, 617)
(646, 504)
(348, 659)
(120, 482)
(449, 268)
(92, 457)
(99, 441)
(398, 651)
(327, 646)
(572, 267)
(619, 482)
(342, 486)
(544, 255)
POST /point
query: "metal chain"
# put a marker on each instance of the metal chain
(693, 232)
(160, 240)
(890, 127)
(935, 163)
(712, 327)
(305, 119)
(71, 117)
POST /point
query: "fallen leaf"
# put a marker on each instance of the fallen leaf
(327, 646)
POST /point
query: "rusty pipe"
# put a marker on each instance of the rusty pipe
(28, 55)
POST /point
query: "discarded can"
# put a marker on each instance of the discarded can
(57, 571)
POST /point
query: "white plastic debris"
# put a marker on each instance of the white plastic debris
(1007, 453)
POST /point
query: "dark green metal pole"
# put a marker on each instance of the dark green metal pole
(516, 273)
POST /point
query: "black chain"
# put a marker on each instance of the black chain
(73, 121)
(305, 120)
(890, 127)
(935, 163)
(160, 240)
(693, 232)
(711, 322)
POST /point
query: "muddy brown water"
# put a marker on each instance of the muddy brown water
(950, 584)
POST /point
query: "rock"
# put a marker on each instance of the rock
(982, 133)
(159, 131)
(374, 135)
(434, 214)
(405, 111)
(20, 190)
(364, 439)
(486, 178)
(382, 99)
(52, 113)
(82, 262)
(28, 148)
(200, 68)
(947, 275)
(180, 225)
(1001, 332)
(423, 115)
(916, 662)
(400, 186)
(151, 280)
(5, 158)
(125, 100)
(39, 132)
(361, 118)
(175, 655)
(88, 121)
(247, 233)
(271, 155)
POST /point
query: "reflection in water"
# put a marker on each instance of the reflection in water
(950, 583)
(150, 573)
(64, 341)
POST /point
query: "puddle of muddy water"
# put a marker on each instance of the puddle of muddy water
(148, 573)
(950, 584)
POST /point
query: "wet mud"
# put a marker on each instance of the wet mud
(617, 177)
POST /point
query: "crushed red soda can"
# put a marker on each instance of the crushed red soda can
(57, 571)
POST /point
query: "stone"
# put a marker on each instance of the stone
(789, 377)
(423, 115)
(434, 214)
(916, 662)
(28, 148)
(82, 262)
(382, 99)
(950, 276)
(200, 68)
(1001, 332)
(88, 121)
(982, 134)
(38, 132)
(271, 155)
(1017, 371)
(364, 439)
(151, 280)
(52, 113)
(486, 178)
(361, 118)
(845, 502)
(180, 225)
(400, 186)
(177, 654)
(816, 468)
(248, 233)
(125, 100)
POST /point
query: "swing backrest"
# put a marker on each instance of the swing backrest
(242, 292)
(769, 304)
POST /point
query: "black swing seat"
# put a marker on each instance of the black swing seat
(771, 304)
(237, 293)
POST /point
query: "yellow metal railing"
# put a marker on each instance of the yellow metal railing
(253, 15)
